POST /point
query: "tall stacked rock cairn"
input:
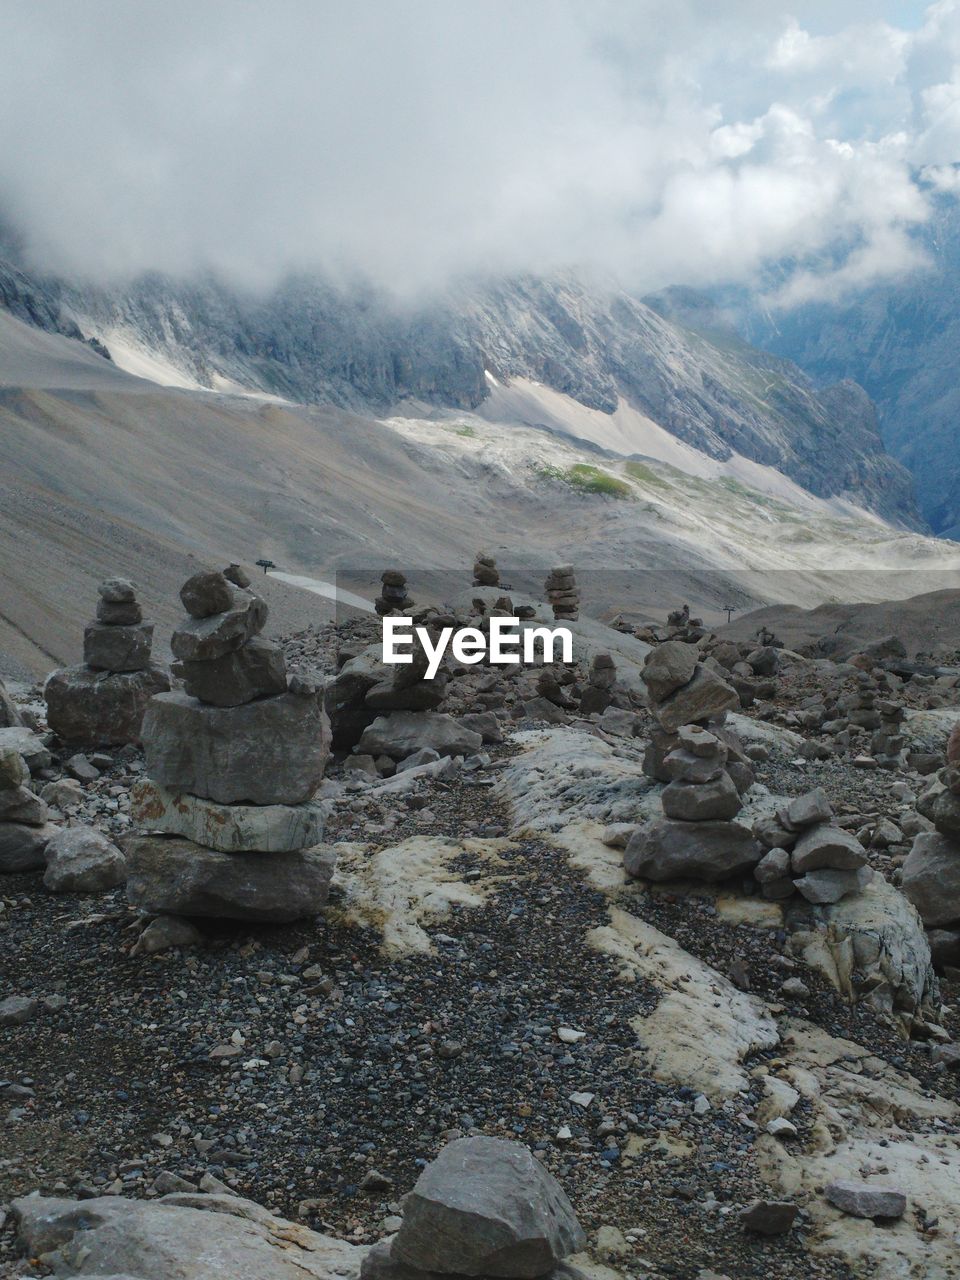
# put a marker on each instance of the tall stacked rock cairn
(562, 593)
(102, 702)
(393, 596)
(807, 853)
(233, 762)
(484, 1207)
(931, 871)
(485, 571)
(24, 829)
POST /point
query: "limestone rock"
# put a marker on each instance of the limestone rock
(667, 850)
(22, 847)
(931, 878)
(272, 751)
(668, 667)
(485, 723)
(405, 732)
(769, 1217)
(199, 639)
(230, 828)
(171, 876)
(829, 884)
(705, 696)
(486, 1207)
(866, 1200)
(81, 860)
(256, 670)
(120, 614)
(116, 648)
(827, 846)
(99, 708)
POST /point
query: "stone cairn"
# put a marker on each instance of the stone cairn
(393, 596)
(485, 571)
(563, 593)
(24, 830)
(601, 678)
(233, 762)
(484, 1207)
(102, 702)
(808, 854)
(931, 872)
(889, 741)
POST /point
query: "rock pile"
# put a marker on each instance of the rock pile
(697, 837)
(485, 571)
(931, 872)
(808, 854)
(233, 763)
(393, 596)
(484, 1207)
(24, 829)
(598, 693)
(681, 690)
(563, 593)
(889, 741)
(102, 702)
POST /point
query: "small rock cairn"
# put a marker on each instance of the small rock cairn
(563, 593)
(485, 571)
(484, 1207)
(102, 702)
(808, 854)
(24, 829)
(601, 678)
(931, 872)
(233, 762)
(393, 596)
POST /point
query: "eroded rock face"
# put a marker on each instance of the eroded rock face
(667, 850)
(233, 828)
(487, 1207)
(171, 876)
(405, 732)
(98, 708)
(272, 751)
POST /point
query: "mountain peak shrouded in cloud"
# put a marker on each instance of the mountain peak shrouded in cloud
(668, 143)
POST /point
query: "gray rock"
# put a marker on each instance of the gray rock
(272, 751)
(667, 850)
(30, 746)
(170, 876)
(21, 805)
(701, 801)
(183, 1236)
(772, 834)
(829, 884)
(485, 723)
(389, 695)
(944, 813)
(808, 809)
(81, 860)
(865, 1200)
(110, 648)
(684, 766)
(16, 1010)
(14, 773)
(944, 947)
(618, 722)
(931, 878)
(486, 1207)
(117, 591)
(544, 709)
(80, 768)
(668, 667)
(99, 708)
(206, 594)
(426, 755)
(62, 794)
(405, 732)
(120, 614)
(769, 1217)
(345, 697)
(22, 847)
(774, 865)
(229, 828)
(255, 670)
(165, 933)
(379, 1264)
(826, 846)
(199, 639)
(705, 696)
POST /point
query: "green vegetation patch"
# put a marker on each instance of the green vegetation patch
(588, 479)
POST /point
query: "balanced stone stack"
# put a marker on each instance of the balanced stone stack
(681, 690)
(393, 596)
(24, 830)
(484, 1207)
(485, 571)
(696, 838)
(407, 687)
(889, 741)
(102, 702)
(808, 854)
(931, 872)
(563, 593)
(233, 763)
(598, 693)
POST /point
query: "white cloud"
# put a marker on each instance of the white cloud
(680, 142)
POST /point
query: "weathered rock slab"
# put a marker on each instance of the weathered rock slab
(117, 648)
(405, 732)
(101, 708)
(704, 697)
(827, 846)
(256, 670)
(199, 639)
(229, 828)
(712, 851)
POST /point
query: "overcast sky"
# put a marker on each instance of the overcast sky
(671, 141)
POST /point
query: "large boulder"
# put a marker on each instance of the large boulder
(405, 732)
(99, 708)
(23, 847)
(82, 860)
(931, 878)
(272, 751)
(230, 828)
(177, 877)
(487, 1207)
(712, 851)
(183, 1236)
(704, 697)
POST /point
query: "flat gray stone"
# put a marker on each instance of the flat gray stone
(256, 670)
(826, 846)
(379, 1264)
(711, 851)
(99, 708)
(805, 810)
(14, 773)
(16, 1010)
(829, 884)
(230, 828)
(117, 591)
(405, 732)
(197, 639)
(931, 878)
(82, 860)
(769, 1217)
(10, 717)
(701, 801)
(170, 876)
(704, 697)
(866, 1200)
(774, 865)
(272, 751)
(487, 1207)
(485, 723)
(111, 648)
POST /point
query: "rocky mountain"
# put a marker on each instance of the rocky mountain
(899, 341)
(310, 342)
